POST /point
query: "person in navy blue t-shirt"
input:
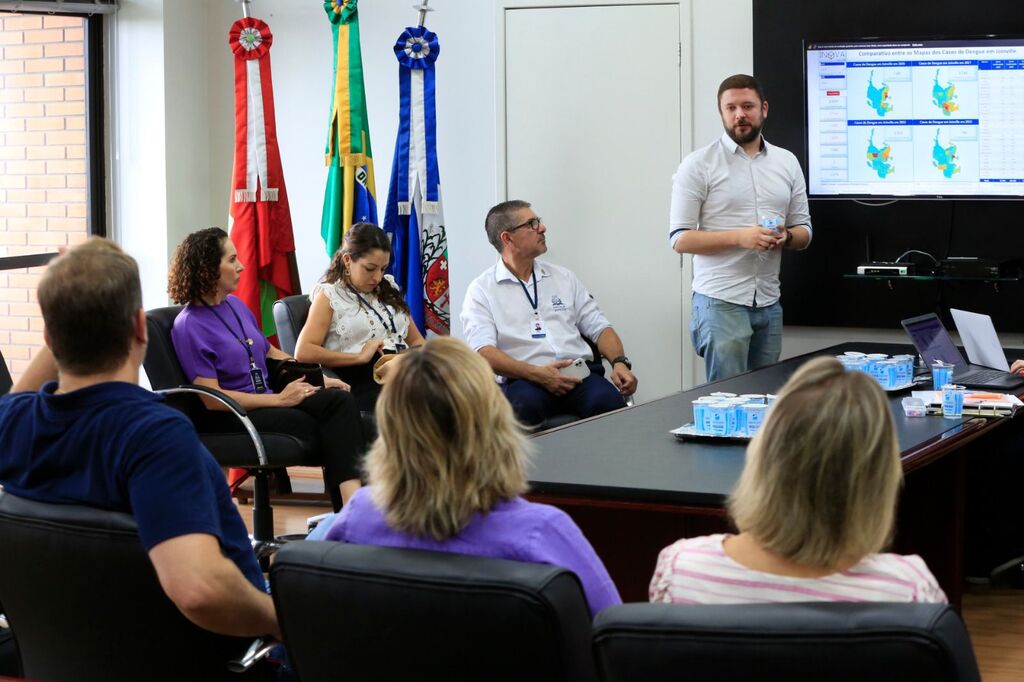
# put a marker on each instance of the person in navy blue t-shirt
(95, 438)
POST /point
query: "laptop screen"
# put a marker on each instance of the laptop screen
(932, 340)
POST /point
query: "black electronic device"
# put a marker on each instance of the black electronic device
(970, 266)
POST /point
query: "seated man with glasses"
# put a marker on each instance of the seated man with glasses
(528, 319)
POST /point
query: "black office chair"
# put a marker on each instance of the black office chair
(6, 382)
(803, 641)
(290, 315)
(261, 453)
(84, 602)
(358, 612)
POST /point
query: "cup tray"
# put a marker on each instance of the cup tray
(689, 432)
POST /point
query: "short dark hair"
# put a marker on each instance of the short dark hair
(90, 297)
(740, 81)
(195, 268)
(499, 219)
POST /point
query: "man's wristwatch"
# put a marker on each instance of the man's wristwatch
(624, 360)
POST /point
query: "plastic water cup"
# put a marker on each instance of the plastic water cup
(719, 418)
(953, 401)
(753, 418)
(942, 374)
(885, 373)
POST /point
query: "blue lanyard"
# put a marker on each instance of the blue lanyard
(535, 300)
(246, 342)
(391, 318)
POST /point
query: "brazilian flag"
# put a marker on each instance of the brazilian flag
(349, 197)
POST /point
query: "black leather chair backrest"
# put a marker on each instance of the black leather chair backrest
(803, 641)
(85, 604)
(5, 376)
(161, 362)
(290, 315)
(357, 612)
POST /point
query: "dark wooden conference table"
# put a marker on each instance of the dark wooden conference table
(633, 488)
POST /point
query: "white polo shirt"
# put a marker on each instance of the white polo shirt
(498, 312)
(720, 188)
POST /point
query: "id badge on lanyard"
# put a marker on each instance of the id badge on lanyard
(537, 328)
(259, 384)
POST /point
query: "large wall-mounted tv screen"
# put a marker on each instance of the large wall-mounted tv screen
(909, 118)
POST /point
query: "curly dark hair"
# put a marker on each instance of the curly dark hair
(195, 268)
(360, 239)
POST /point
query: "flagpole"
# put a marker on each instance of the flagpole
(423, 9)
(245, 7)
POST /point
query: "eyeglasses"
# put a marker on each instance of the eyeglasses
(533, 223)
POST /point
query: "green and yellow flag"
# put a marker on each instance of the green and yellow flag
(350, 194)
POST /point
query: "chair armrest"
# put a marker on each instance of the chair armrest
(233, 407)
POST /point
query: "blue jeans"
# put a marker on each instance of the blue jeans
(733, 338)
(533, 404)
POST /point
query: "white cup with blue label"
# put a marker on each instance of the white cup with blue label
(942, 374)
(953, 401)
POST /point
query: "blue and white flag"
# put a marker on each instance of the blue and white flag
(414, 219)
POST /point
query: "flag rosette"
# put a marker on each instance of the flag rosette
(417, 48)
(340, 10)
(250, 38)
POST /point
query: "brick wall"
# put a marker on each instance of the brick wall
(43, 194)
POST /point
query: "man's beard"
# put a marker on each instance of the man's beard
(749, 136)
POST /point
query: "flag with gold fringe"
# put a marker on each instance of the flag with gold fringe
(350, 194)
(414, 218)
(260, 222)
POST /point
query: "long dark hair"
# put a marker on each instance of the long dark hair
(361, 239)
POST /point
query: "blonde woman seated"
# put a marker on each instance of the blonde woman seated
(814, 505)
(448, 470)
(357, 313)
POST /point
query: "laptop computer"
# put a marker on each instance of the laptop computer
(980, 340)
(933, 342)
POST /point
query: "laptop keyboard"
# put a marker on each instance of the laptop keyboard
(982, 376)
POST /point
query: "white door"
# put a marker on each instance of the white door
(592, 116)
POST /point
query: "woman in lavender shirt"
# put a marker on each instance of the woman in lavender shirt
(814, 505)
(448, 469)
(219, 344)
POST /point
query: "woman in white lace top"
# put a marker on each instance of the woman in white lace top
(357, 314)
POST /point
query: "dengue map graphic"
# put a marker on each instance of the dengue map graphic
(944, 96)
(880, 159)
(878, 96)
(945, 158)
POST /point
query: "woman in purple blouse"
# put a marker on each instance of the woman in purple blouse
(220, 345)
(448, 469)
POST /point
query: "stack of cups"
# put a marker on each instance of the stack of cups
(942, 374)
(722, 414)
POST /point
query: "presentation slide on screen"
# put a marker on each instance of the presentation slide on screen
(916, 118)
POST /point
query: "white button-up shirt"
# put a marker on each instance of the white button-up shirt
(720, 188)
(497, 312)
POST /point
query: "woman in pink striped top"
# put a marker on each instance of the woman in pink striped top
(814, 506)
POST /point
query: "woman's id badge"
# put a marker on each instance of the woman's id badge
(259, 385)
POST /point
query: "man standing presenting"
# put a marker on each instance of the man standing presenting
(735, 205)
(527, 318)
(95, 438)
